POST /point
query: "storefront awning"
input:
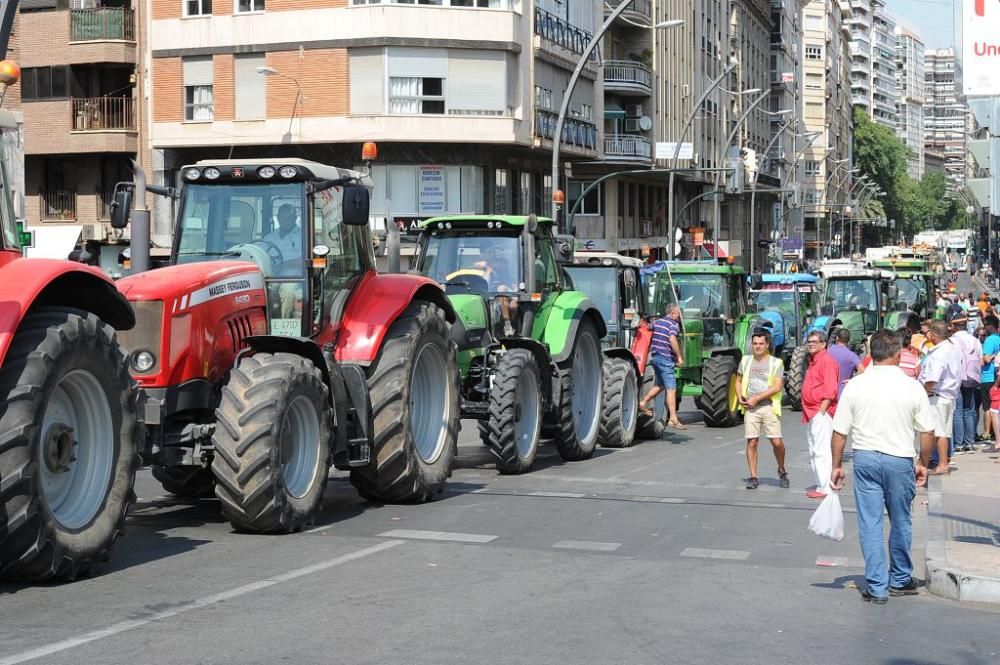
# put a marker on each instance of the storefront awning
(613, 112)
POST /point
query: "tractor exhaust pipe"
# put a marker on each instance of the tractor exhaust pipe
(392, 249)
(140, 222)
(528, 248)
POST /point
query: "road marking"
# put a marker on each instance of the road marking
(737, 555)
(132, 624)
(842, 561)
(559, 495)
(320, 528)
(436, 535)
(671, 500)
(586, 545)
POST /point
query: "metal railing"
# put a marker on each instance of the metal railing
(628, 146)
(554, 29)
(105, 199)
(59, 205)
(575, 132)
(627, 72)
(88, 25)
(643, 7)
(98, 114)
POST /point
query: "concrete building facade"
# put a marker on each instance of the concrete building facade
(874, 61)
(945, 113)
(911, 83)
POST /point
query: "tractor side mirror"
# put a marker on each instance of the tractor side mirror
(357, 201)
(892, 291)
(121, 205)
(564, 248)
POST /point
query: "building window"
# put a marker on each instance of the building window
(416, 95)
(246, 6)
(586, 112)
(251, 93)
(814, 81)
(812, 167)
(813, 22)
(501, 192)
(45, 83)
(590, 205)
(197, 7)
(543, 98)
(198, 89)
(814, 52)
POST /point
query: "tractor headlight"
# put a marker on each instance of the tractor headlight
(288, 171)
(266, 172)
(143, 361)
(212, 173)
(192, 173)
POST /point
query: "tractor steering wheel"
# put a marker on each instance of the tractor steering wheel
(264, 253)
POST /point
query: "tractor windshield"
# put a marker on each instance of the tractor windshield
(702, 295)
(912, 294)
(252, 222)
(471, 261)
(852, 294)
(601, 286)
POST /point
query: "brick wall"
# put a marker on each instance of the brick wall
(166, 9)
(222, 87)
(286, 5)
(323, 75)
(168, 90)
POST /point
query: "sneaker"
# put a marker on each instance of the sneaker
(752, 483)
(783, 479)
(908, 589)
(874, 600)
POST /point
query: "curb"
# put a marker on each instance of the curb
(944, 578)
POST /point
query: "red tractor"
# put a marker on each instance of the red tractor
(68, 429)
(270, 348)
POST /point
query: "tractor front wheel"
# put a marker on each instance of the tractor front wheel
(68, 437)
(796, 375)
(186, 481)
(652, 427)
(414, 395)
(272, 443)
(515, 423)
(579, 408)
(621, 404)
(716, 376)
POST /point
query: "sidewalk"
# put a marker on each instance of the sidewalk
(963, 531)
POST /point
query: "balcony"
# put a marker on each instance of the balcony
(575, 132)
(104, 24)
(553, 29)
(627, 148)
(639, 10)
(80, 125)
(99, 114)
(628, 78)
(57, 206)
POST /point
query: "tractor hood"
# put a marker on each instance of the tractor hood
(200, 281)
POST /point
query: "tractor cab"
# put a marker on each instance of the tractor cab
(914, 286)
(790, 302)
(304, 224)
(612, 282)
(857, 298)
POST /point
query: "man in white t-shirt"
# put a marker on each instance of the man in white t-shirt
(287, 238)
(881, 410)
(941, 374)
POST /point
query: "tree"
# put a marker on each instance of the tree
(882, 157)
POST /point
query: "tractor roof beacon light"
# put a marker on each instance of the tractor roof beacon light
(558, 197)
(369, 151)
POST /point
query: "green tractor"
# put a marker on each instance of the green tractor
(716, 327)
(529, 347)
(613, 282)
(914, 292)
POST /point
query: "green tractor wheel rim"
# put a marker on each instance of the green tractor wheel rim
(586, 386)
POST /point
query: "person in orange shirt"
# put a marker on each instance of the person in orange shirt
(984, 303)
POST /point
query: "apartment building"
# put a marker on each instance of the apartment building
(464, 93)
(786, 81)
(80, 94)
(910, 82)
(874, 87)
(824, 170)
(945, 113)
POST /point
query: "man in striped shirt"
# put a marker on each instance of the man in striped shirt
(666, 355)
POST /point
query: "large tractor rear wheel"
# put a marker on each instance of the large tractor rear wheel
(652, 427)
(515, 423)
(68, 446)
(272, 443)
(414, 396)
(796, 375)
(186, 481)
(716, 376)
(579, 408)
(620, 408)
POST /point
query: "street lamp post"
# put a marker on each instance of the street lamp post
(829, 212)
(564, 107)
(271, 71)
(793, 169)
(753, 187)
(677, 151)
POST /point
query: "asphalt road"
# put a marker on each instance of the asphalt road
(654, 554)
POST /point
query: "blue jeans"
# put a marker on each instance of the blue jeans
(883, 481)
(964, 420)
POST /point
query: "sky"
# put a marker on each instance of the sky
(931, 19)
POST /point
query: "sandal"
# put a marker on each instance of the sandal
(676, 424)
(783, 479)
(752, 483)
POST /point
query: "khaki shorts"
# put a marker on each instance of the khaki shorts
(944, 411)
(761, 419)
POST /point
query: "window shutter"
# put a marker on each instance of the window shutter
(418, 62)
(198, 71)
(251, 93)
(367, 69)
(477, 81)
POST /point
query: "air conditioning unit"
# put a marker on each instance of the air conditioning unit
(632, 125)
(645, 229)
(633, 110)
(89, 232)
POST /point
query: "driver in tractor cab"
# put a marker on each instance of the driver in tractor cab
(288, 239)
(500, 279)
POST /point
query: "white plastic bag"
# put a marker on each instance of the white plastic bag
(828, 520)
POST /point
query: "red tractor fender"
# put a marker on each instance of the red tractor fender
(375, 305)
(640, 346)
(29, 283)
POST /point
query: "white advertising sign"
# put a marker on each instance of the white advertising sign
(980, 48)
(666, 150)
(430, 191)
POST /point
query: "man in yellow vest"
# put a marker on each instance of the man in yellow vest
(759, 382)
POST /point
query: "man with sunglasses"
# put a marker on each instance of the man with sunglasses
(819, 403)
